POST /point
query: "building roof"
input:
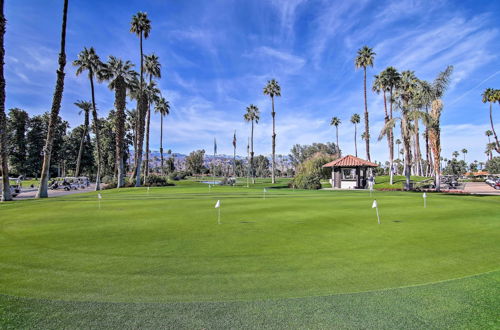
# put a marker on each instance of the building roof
(350, 161)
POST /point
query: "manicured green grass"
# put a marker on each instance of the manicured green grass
(383, 182)
(294, 259)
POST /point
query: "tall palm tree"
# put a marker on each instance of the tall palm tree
(4, 156)
(54, 112)
(163, 108)
(85, 107)
(234, 154)
(355, 119)
(141, 26)
(390, 79)
(336, 122)
(432, 120)
(490, 95)
(455, 154)
(464, 151)
(152, 67)
(273, 89)
(363, 60)
(89, 61)
(398, 142)
(252, 115)
(406, 92)
(121, 77)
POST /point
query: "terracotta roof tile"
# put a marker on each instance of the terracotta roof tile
(350, 161)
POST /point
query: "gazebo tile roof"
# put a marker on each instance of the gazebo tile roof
(350, 161)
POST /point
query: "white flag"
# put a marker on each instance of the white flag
(265, 190)
(374, 205)
(217, 205)
(424, 195)
(99, 196)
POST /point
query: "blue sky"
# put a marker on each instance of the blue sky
(217, 56)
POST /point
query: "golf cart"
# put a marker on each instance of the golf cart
(15, 187)
(70, 183)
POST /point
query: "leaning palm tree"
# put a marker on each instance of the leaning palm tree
(355, 119)
(141, 26)
(252, 115)
(121, 77)
(54, 112)
(432, 120)
(163, 108)
(490, 95)
(363, 60)
(152, 67)
(4, 156)
(336, 122)
(464, 151)
(89, 61)
(273, 89)
(85, 107)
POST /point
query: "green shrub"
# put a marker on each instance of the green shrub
(154, 180)
(310, 172)
(178, 175)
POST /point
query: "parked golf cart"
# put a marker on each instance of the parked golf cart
(15, 187)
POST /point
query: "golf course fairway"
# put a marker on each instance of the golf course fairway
(161, 250)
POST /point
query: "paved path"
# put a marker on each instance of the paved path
(480, 188)
(31, 192)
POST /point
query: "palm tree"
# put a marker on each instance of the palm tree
(273, 89)
(141, 26)
(336, 122)
(4, 156)
(398, 142)
(234, 154)
(406, 92)
(390, 79)
(152, 67)
(252, 115)
(491, 96)
(363, 60)
(163, 108)
(121, 77)
(464, 151)
(355, 119)
(85, 107)
(432, 120)
(89, 61)
(54, 112)
(455, 154)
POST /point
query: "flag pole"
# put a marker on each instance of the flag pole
(218, 218)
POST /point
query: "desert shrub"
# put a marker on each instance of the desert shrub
(177, 175)
(154, 180)
(310, 172)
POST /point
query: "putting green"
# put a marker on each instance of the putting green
(165, 245)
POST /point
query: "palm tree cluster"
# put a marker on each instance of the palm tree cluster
(416, 101)
(123, 80)
(252, 115)
(491, 96)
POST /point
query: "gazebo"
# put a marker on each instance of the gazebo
(349, 172)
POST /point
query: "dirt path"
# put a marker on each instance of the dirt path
(480, 188)
(31, 192)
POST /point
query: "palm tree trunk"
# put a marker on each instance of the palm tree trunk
(251, 156)
(337, 136)
(273, 180)
(146, 160)
(418, 154)
(356, 140)
(120, 103)
(161, 144)
(54, 112)
(140, 120)
(406, 144)
(6, 195)
(96, 133)
(80, 151)
(367, 129)
(497, 144)
(391, 143)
